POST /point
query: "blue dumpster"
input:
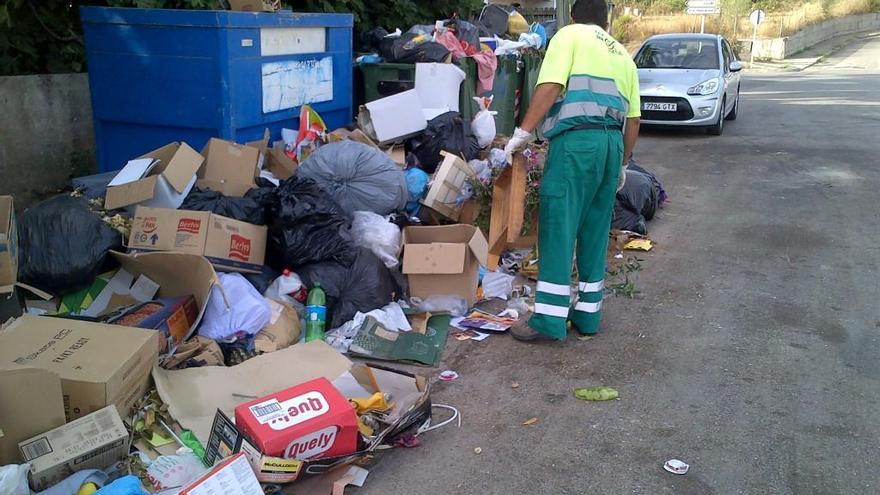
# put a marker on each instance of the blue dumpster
(158, 76)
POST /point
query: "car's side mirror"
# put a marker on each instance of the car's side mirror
(736, 66)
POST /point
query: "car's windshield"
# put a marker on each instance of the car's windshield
(678, 54)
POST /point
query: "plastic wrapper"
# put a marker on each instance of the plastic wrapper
(454, 305)
(364, 286)
(14, 479)
(307, 226)
(483, 124)
(358, 177)
(63, 245)
(377, 234)
(245, 209)
(238, 307)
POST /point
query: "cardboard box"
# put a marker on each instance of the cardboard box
(233, 476)
(229, 244)
(445, 189)
(165, 268)
(308, 421)
(94, 441)
(444, 260)
(397, 116)
(274, 159)
(161, 178)
(8, 246)
(30, 403)
(230, 168)
(98, 364)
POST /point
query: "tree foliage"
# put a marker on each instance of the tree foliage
(45, 36)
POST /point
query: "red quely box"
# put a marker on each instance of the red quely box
(308, 421)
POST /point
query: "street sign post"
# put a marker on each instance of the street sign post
(703, 8)
(756, 17)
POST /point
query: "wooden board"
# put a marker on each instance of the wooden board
(508, 212)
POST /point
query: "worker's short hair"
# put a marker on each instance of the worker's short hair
(590, 12)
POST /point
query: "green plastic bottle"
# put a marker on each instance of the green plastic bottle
(316, 313)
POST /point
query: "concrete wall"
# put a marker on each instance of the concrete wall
(780, 48)
(46, 134)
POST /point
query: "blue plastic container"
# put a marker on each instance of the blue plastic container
(158, 76)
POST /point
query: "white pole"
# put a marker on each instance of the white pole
(702, 24)
(754, 41)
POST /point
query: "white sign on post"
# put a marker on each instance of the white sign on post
(757, 17)
(703, 8)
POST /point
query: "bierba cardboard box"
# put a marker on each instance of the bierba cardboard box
(230, 245)
(94, 441)
(30, 403)
(308, 421)
(161, 178)
(98, 364)
(230, 168)
(444, 260)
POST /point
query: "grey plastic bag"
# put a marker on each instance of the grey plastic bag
(359, 177)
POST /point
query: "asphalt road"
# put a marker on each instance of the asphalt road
(752, 351)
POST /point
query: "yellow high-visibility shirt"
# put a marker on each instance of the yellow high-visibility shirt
(600, 79)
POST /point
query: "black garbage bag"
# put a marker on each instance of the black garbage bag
(405, 49)
(63, 245)
(359, 177)
(445, 132)
(245, 209)
(636, 203)
(307, 226)
(495, 18)
(372, 39)
(364, 286)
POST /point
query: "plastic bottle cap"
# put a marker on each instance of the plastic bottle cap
(285, 272)
(316, 285)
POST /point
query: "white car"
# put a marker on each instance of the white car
(688, 80)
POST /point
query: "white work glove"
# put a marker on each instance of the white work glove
(518, 142)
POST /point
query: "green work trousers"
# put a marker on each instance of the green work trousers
(577, 198)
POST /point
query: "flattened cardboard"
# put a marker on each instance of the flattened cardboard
(397, 116)
(444, 260)
(8, 246)
(233, 476)
(229, 244)
(94, 441)
(165, 185)
(98, 364)
(230, 168)
(165, 268)
(31, 402)
(426, 347)
(193, 395)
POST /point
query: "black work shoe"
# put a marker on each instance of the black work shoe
(525, 333)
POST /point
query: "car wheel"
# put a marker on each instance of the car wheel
(718, 128)
(735, 111)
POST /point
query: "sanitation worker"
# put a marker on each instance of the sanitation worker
(588, 98)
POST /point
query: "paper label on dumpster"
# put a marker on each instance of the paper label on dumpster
(295, 83)
(292, 41)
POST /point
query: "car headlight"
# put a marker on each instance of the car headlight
(705, 88)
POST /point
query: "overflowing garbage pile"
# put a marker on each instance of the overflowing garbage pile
(190, 323)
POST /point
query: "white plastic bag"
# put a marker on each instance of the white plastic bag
(497, 284)
(377, 234)
(284, 288)
(483, 125)
(14, 479)
(454, 305)
(247, 310)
